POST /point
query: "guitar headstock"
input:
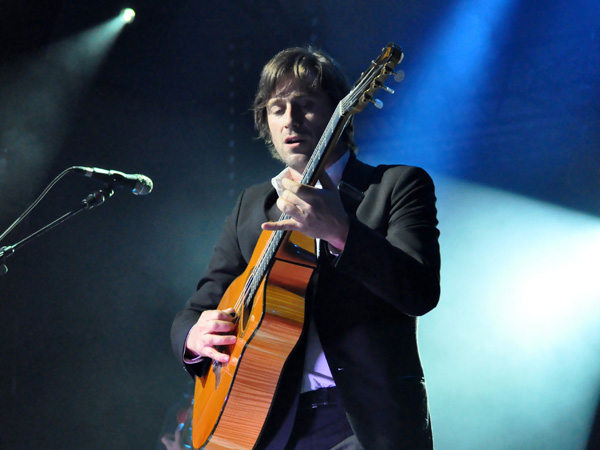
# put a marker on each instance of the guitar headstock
(372, 80)
(362, 93)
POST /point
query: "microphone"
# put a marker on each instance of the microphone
(139, 184)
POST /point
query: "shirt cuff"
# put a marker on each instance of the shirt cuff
(333, 251)
(194, 360)
(188, 356)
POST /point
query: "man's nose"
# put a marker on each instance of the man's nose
(293, 115)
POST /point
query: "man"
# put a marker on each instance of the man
(355, 381)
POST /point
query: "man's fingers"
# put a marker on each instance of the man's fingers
(209, 344)
(230, 311)
(298, 193)
(290, 184)
(214, 328)
(281, 225)
(217, 356)
(295, 209)
(292, 200)
(217, 314)
(221, 326)
(227, 339)
(217, 321)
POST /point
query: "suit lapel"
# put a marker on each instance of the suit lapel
(272, 212)
(355, 181)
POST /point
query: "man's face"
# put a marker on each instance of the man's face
(297, 119)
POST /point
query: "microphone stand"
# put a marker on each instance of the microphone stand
(91, 201)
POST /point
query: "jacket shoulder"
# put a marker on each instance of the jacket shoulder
(257, 191)
(367, 175)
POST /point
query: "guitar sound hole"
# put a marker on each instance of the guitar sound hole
(244, 317)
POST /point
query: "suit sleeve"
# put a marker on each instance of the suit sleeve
(392, 247)
(226, 263)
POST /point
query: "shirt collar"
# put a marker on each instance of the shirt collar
(335, 173)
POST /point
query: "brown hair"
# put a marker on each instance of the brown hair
(313, 69)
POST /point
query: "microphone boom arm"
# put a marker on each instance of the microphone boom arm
(91, 201)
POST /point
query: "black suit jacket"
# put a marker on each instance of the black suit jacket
(365, 302)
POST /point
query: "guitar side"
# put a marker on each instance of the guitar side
(232, 401)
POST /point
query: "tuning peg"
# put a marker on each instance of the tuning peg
(389, 90)
(399, 76)
(378, 103)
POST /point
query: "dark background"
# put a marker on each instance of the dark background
(85, 311)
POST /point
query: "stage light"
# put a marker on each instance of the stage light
(521, 280)
(39, 105)
(127, 15)
(455, 65)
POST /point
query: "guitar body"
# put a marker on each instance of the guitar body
(232, 401)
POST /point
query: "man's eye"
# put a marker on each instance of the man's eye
(306, 104)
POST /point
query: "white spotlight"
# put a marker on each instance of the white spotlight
(127, 15)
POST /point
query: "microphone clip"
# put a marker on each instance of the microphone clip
(97, 198)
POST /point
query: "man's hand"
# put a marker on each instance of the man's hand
(317, 213)
(214, 328)
(172, 441)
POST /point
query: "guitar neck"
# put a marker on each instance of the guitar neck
(326, 144)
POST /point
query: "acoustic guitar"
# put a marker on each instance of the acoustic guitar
(232, 401)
